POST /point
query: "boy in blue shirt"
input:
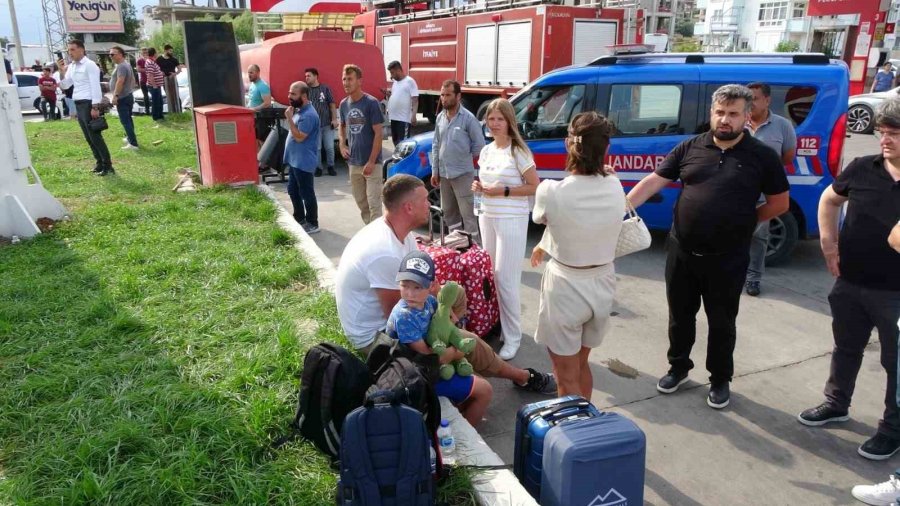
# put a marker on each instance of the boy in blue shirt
(409, 321)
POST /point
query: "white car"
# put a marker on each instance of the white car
(861, 110)
(29, 92)
(184, 92)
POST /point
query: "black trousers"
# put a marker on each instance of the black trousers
(855, 311)
(717, 281)
(399, 131)
(301, 189)
(94, 139)
(146, 93)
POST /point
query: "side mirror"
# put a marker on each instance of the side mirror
(486, 131)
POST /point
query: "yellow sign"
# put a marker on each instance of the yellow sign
(93, 16)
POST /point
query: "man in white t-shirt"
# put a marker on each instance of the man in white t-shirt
(366, 285)
(403, 102)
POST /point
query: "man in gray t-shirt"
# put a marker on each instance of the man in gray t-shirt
(122, 83)
(777, 133)
(360, 141)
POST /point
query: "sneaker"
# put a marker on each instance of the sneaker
(97, 169)
(879, 447)
(881, 494)
(318, 172)
(542, 383)
(125, 140)
(311, 229)
(671, 381)
(752, 288)
(508, 351)
(130, 147)
(719, 395)
(331, 171)
(822, 414)
(107, 172)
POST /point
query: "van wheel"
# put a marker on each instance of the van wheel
(783, 236)
(37, 104)
(434, 199)
(860, 119)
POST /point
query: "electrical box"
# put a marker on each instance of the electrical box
(226, 142)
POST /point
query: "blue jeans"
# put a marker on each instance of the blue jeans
(327, 143)
(125, 107)
(303, 196)
(156, 103)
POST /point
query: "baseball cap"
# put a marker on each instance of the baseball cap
(417, 266)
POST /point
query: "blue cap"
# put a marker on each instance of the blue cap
(417, 266)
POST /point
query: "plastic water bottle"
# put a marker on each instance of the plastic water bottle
(478, 198)
(448, 444)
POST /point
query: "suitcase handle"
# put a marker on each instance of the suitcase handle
(435, 211)
(553, 411)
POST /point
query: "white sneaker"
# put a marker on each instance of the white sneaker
(508, 351)
(881, 494)
(125, 140)
(130, 147)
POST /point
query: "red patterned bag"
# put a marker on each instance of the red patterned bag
(478, 280)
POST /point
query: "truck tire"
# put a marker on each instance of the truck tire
(783, 236)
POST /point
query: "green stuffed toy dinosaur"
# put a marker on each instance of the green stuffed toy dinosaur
(442, 333)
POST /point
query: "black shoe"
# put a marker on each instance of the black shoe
(719, 395)
(542, 383)
(752, 288)
(671, 381)
(318, 172)
(107, 172)
(331, 171)
(879, 447)
(97, 169)
(822, 414)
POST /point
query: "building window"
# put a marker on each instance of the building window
(799, 10)
(716, 16)
(772, 13)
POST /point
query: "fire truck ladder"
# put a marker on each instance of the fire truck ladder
(472, 8)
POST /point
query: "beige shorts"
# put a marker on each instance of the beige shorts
(575, 307)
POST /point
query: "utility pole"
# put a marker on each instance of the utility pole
(54, 27)
(673, 19)
(15, 27)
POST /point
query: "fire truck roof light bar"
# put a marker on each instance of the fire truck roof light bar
(795, 59)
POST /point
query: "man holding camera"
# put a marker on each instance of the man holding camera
(84, 76)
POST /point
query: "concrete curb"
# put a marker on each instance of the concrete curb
(492, 487)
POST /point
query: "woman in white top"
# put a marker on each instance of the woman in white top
(583, 214)
(507, 178)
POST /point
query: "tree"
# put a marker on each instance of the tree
(168, 34)
(787, 46)
(684, 27)
(686, 46)
(132, 33)
(4, 41)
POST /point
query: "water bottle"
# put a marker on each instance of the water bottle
(448, 444)
(478, 198)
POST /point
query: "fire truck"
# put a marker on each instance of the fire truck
(493, 48)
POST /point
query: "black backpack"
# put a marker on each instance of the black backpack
(334, 383)
(385, 455)
(410, 376)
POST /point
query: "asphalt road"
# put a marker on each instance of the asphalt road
(753, 452)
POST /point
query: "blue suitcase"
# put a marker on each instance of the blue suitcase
(598, 461)
(532, 423)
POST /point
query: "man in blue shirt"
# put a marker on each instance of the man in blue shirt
(259, 97)
(301, 156)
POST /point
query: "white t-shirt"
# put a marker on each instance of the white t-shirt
(371, 260)
(497, 165)
(400, 103)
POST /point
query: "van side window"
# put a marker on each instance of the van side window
(645, 109)
(545, 113)
(791, 102)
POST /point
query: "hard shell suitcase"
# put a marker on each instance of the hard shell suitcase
(533, 421)
(593, 462)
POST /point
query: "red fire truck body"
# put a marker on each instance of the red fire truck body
(491, 52)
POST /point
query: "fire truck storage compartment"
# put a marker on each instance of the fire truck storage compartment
(392, 52)
(498, 54)
(592, 40)
(481, 54)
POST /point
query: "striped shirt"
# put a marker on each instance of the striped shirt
(155, 76)
(498, 166)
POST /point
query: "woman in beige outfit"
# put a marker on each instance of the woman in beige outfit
(583, 214)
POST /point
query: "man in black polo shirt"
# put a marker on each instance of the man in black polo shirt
(723, 172)
(866, 294)
(169, 63)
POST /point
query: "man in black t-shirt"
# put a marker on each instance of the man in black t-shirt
(168, 64)
(866, 293)
(723, 172)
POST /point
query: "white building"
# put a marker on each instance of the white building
(751, 25)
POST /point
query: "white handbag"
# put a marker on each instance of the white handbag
(634, 235)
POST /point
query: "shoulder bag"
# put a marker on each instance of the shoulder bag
(634, 235)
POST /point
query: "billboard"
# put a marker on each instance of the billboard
(93, 16)
(835, 7)
(299, 6)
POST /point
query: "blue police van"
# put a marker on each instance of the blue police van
(657, 100)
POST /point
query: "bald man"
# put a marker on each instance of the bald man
(301, 156)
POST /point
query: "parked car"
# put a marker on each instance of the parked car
(184, 92)
(861, 110)
(658, 100)
(29, 92)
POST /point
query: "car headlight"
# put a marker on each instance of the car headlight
(404, 149)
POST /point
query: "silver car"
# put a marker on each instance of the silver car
(861, 110)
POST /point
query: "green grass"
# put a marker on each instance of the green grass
(150, 347)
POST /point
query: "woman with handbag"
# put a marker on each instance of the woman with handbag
(508, 177)
(579, 283)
